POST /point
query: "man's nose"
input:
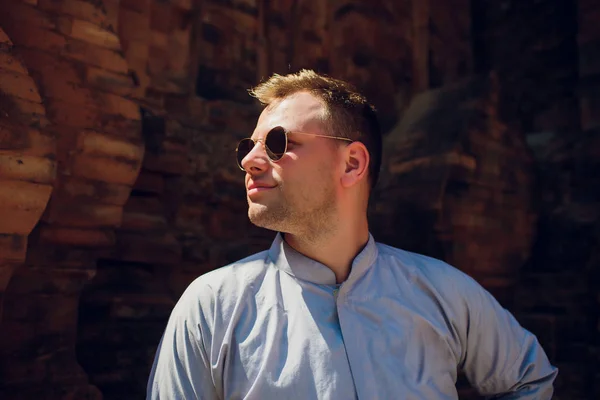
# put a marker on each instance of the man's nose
(256, 160)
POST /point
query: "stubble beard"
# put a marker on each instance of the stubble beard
(301, 215)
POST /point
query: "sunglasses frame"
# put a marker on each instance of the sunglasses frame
(270, 153)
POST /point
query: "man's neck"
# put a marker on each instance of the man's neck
(335, 250)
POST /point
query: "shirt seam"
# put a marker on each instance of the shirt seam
(494, 379)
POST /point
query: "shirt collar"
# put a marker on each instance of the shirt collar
(302, 267)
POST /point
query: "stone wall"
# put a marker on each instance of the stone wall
(69, 51)
(27, 172)
(124, 187)
(545, 81)
(586, 184)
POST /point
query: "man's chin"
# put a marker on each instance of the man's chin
(261, 216)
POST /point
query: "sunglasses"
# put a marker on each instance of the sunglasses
(275, 143)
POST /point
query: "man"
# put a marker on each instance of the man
(326, 312)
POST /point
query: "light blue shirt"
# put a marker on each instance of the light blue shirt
(276, 326)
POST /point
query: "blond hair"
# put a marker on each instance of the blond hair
(348, 112)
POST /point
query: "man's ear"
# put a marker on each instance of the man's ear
(356, 159)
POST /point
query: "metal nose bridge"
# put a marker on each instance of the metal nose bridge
(261, 141)
(264, 146)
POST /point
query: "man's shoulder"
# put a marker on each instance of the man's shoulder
(421, 267)
(214, 294)
(235, 275)
(421, 262)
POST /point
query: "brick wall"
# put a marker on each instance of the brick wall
(74, 58)
(27, 167)
(544, 91)
(586, 184)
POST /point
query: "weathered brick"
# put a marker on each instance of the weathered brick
(11, 137)
(6, 271)
(105, 169)
(21, 205)
(157, 60)
(93, 55)
(116, 125)
(161, 249)
(164, 84)
(137, 54)
(137, 27)
(145, 205)
(5, 40)
(13, 248)
(93, 191)
(453, 158)
(31, 113)
(50, 66)
(26, 14)
(149, 182)
(159, 42)
(141, 6)
(180, 19)
(179, 44)
(68, 92)
(136, 219)
(160, 16)
(83, 10)
(183, 4)
(88, 215)
(97, 144)
(171, 163)
(224, 15)
(73, 115)
(26, 35)
(77, 237)
(112, 9)
(118, 105)
(10, 63)
(88, 32)
(19, 113)
(140, 91)
(19, 85)
(27, 168)
(102, 79)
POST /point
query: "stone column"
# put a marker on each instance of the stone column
(27, 172)
(74, 55)
(27, 167)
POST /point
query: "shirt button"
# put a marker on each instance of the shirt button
(335, 293)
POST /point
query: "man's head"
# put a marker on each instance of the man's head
(318, 174)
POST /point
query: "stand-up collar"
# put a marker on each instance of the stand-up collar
(302, 267)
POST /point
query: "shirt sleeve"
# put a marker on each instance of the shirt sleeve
(181, 369)
(501, 358)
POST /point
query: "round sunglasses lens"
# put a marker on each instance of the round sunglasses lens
(276, 143)
(244, 147)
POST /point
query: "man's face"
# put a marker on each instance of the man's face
(297, 194)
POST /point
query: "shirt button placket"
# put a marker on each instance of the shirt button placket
(339, 307)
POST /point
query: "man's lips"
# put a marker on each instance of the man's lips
(258, 187)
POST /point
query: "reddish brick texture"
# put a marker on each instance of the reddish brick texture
(118, 124)
(66, 200)
(27, 166)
